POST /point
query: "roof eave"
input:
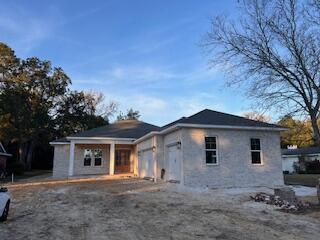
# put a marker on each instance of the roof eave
(100, 138)
(148, 135)
(191, 125)
(6, 154)
(59, 143)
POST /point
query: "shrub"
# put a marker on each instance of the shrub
(313, 167)
(16, 168)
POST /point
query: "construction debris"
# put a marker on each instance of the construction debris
(287, 194)
(287, 200)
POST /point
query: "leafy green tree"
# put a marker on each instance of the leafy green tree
(299, 132)
(76, 113)
(36, 105)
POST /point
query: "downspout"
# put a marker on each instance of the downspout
(154, 156)
(181, 157)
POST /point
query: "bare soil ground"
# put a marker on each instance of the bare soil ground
(140, 209)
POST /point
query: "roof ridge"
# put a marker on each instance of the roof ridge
(233, 115)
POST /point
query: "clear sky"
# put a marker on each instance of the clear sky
(142, 54)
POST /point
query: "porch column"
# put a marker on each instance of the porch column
(111, 167)
(71, 159)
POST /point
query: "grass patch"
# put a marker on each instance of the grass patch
(26, 175)
(310, 180)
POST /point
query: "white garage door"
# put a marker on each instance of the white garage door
(174, 163)
(146, 164)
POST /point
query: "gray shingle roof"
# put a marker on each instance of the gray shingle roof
(3, 151)
(121, 129)
(301, 151)
(210, 117)
(136, 129)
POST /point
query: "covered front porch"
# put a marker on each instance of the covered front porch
(101, 157)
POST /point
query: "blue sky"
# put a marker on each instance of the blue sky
(142, 54)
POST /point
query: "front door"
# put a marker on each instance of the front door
(122, 161)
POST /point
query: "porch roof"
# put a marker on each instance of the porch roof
(126, 129)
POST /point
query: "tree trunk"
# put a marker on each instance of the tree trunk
(30, 156)
(316, 132)
(22, 152)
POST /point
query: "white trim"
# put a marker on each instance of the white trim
(100, 138)
(71, 159)
(59, 143)
(211, 150)
(6, 154)
(92, 163)
(260, 151)
(230, 127)
(148, 135)
(190, 125)
(4, 151)
(170, 129)
(83, 141)
(112, 159)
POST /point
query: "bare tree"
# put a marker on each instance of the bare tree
(273, 49)
(257, 116)
(102, 108)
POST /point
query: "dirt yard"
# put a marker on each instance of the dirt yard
(140, 209)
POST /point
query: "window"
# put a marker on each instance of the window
(95, 154)
(87, 157)
(97, 157)
(255, 151)
(211, 150)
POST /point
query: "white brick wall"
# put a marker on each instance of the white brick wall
(234, 168)
(61, 161)
(80, 169)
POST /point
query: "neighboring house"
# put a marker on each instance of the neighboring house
(291, 156)
(207, 149)
(3, 158)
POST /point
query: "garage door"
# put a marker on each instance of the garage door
(146, 164)
(174, 163)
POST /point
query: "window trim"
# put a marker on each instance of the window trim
(211, 150)
(84, 157)
(94, 159)
(260, 151)
(92, 162)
